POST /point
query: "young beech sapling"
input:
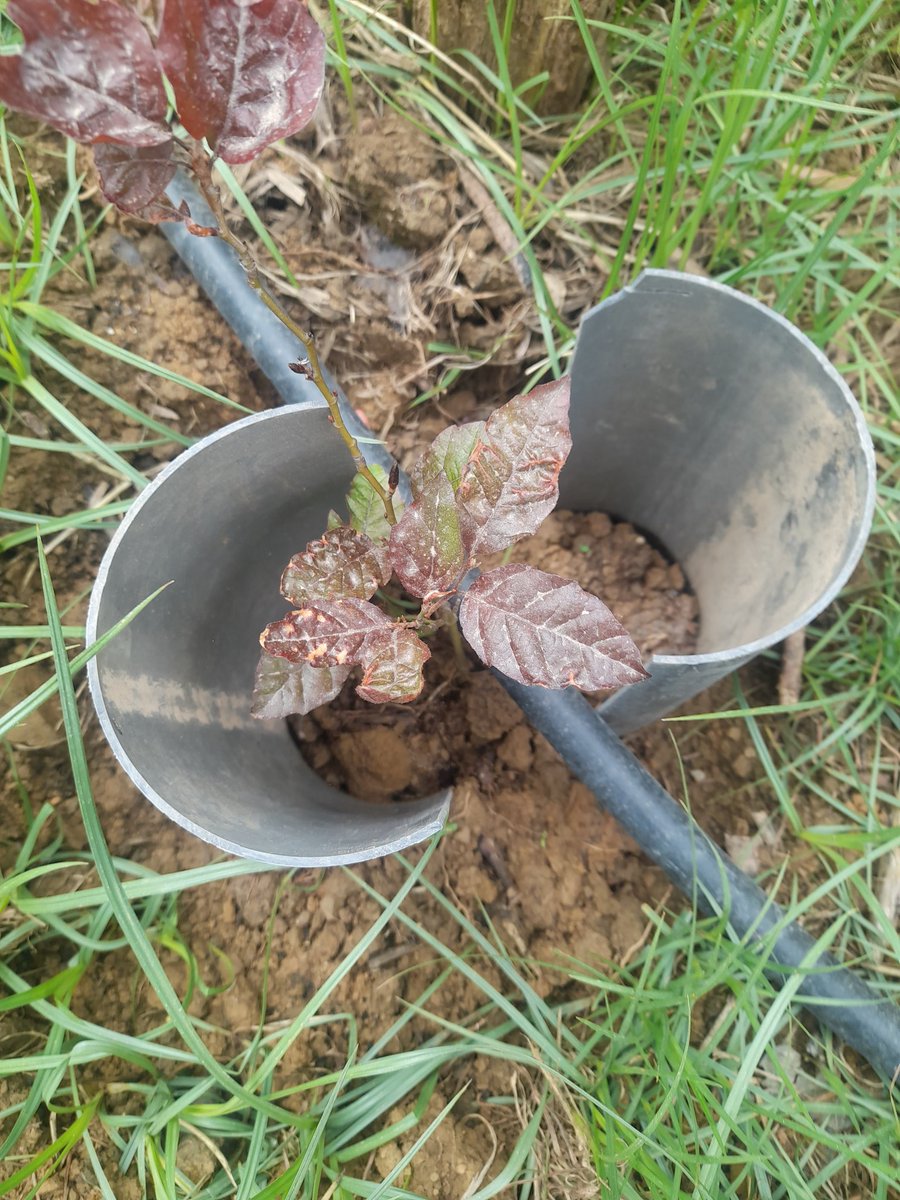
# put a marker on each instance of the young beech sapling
(476, 490)
(243, 74)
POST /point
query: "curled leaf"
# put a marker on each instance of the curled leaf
(509, 483)
(283, 689)
(326, 633)
(245, 72)
(87, 69)
(392, 665)
(340, 563)
(545, 630)
(426, 546)
(135, 177)
(447, 455)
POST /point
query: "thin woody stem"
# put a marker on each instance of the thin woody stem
(452, 625)
(312, 369)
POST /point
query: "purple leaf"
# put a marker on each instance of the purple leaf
(283, 688)
(328, 633)
(340, 563)
(392, 664)
(545, 630)
(245, 72)
(135, 177)
(447, 454)
(427, 551)
(89, 70)
(509, 483)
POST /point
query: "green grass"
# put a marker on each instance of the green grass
(715, 139)
(39, 352)
(696, 146)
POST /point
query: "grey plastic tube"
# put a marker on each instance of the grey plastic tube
(836, 997)
(667, 835)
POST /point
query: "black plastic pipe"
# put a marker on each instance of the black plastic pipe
(216, 268)
(667, 835)
(675, 842)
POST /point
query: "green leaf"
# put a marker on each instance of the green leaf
(366, 508)
(447, 455)
(41, 694)
(128, 920)
(62, 981)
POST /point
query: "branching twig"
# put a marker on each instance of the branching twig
(311, 368)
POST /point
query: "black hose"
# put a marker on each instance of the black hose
(216, 268)
(664, 831)
(668, 836)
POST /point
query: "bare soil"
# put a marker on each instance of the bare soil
(529, 848)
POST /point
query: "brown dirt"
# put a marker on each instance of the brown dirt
(528, 848)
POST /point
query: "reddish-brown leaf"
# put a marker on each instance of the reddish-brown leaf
(392, 665)
(87, 69)
(427, 551)
(328, 633)
(545, 630)
(283, 688)
(447, 454)
(245, 72)
(340, 563)
(509, 483)
(135, 177)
